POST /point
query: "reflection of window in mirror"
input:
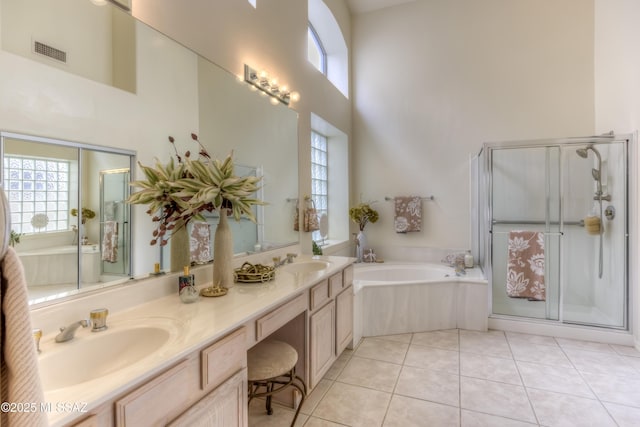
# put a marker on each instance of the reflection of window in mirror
(38, 191)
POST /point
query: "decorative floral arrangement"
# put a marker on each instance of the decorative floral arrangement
(14, 238)
(363, 214)
(178, 192)
(85, 214)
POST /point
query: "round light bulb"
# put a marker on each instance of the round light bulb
(295, 96)
(99, 2)
(274, 100)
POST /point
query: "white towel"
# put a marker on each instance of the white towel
(110, 242)
(19, 364)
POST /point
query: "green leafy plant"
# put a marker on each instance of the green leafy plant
(363, 214)
(85, 214)
(14, 238)
(317, 250)
(178, 192)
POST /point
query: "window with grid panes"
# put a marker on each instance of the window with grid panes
(319, 178)
(37, 186)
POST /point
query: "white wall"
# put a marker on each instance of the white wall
(437, 78)
(617, 100)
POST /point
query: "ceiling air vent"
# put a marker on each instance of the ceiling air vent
(50, 52)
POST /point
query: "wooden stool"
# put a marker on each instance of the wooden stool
(272, 365)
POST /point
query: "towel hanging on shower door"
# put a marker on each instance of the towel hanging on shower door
(525, 265)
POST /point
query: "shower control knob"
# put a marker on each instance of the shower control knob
(610, 212)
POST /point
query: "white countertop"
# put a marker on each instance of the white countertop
(195, 325)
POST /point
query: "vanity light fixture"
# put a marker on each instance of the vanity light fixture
(270, 86)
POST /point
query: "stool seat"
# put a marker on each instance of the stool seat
(270, 359)
(271, 366)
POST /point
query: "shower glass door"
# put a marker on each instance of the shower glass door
(564, 202)
(525, 201)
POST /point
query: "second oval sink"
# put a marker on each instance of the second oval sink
(89, 357)
(305, 266)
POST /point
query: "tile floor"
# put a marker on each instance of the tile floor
(465, 378)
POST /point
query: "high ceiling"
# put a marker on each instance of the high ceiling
(364, 6)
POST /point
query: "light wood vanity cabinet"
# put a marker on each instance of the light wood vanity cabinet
(207, 388)
(330, 327)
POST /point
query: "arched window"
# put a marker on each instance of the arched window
(325, 34)
(315, 51)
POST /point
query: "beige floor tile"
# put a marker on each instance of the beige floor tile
(387, 351)
(370, 373)
(489, 368)
(408, 412)
(584, 345)
(318, 422)
(599, 362)
(556, 409)
(477, 419)
(625, 416)
(337, 366)
(427, 384)
(539, 353)
(561, 379)
(281, 416)
(505, 400)
(433, 358)
(352, 405)
(446, 339)
(531, 339)
(492, 343)
(315, 396)
(615, 389)
(405, 338)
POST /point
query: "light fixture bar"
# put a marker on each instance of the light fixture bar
(268, 85)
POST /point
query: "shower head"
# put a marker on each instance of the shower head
(595, 173)
(582, 152)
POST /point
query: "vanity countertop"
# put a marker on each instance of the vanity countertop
(195, 325)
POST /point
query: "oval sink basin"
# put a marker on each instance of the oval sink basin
(303, 267)
(92, 356)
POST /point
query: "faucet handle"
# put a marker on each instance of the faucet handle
(290, 257)
(99, 319)
(37, 334)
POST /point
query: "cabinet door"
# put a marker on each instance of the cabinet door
(226, 406)
(344, 319)
(322, 342)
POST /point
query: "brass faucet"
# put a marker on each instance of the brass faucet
(67, 333)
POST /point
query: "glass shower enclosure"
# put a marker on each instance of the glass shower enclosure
(553, 229)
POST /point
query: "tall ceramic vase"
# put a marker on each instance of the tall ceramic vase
(361, 244)
(223, 253)
(179, 248)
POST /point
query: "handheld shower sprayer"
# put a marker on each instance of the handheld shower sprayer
(597, 176)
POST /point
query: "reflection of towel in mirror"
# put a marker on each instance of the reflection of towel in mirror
(110, 211)
(408, 214)
(110, 242)
(525, 265)
(19, 361)
(200, 242)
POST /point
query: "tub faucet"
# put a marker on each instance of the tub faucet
(67, 333)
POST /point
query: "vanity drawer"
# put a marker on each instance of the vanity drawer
(168, 394)
(347, 276)
(280, 316)
(319, 294)
(223, 358)
(336, 283)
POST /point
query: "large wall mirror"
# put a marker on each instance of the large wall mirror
(140, 88)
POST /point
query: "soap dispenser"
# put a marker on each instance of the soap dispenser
(187, 287)
(468, 260)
